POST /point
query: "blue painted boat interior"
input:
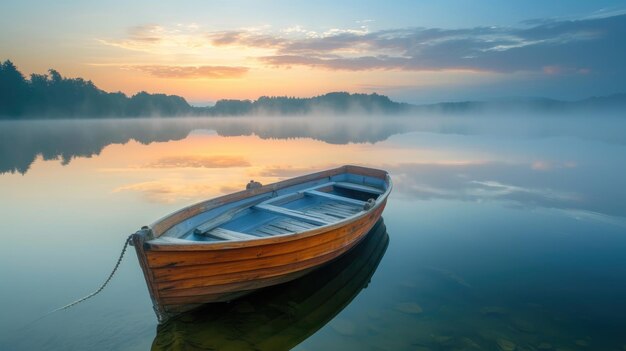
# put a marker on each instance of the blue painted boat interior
(286, 211)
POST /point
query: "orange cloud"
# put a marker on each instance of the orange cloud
(171, 191)
(223, 161)
(211, 72)
(149, 33)
(288, 171)
(546, 165)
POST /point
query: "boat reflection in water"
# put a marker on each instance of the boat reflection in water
(282, 316)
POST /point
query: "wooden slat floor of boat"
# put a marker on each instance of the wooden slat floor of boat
(296, 223)
(323, 216)
(329, 208)
(270, 230)
(327, 211)
(345, 207)
(331, 211)
(286, 226)
(292, 214)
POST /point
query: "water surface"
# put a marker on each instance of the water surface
(504, 232)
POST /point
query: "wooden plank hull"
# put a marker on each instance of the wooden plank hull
(183, 277)
(281, 317)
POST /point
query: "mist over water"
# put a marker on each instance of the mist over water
(21, 142)
(503, 227)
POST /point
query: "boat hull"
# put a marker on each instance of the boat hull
(182, 277)
(280, 317)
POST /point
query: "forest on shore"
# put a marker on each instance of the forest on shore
(52, 95)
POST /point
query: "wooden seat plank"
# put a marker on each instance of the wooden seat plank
(335, 197)
(291, 213)
(227, 216)
(359, 187)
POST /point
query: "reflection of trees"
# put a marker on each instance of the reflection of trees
(22, 141)
(349, 130)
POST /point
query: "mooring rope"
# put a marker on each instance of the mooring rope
(117, 265)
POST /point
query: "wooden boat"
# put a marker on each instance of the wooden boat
(224, 248)
(278, 317)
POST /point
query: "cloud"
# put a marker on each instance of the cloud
(339, 63)
(139, 38)
(171, 190)
(541, 165)
(147, 33)
(496, 189)
(199, 162)
(210, 72)
(161, 40)
(563, 186)
(581, 56)
(245, 38)
(290, 171)
(549, 46)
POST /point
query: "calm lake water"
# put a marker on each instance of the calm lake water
(502, 232)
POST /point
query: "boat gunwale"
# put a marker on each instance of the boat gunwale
(207, 205)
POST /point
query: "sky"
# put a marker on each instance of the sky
(413, 51)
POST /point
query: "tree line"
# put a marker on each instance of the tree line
(53, 96)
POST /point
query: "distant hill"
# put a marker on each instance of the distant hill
(539, 105)
(334, 103)
(54, 96)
